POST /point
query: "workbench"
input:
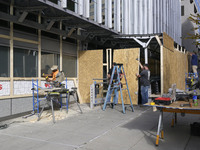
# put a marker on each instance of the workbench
(172, 108)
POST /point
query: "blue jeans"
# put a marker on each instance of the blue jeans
(144, 93)
(116, 93)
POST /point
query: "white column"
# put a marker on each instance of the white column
(117, 15)
(64, 3)
(136, 21)
(130, 16)
(146, 55)
(141, 16)
(87, 8)
(109, 3)
(95, 10)
(76, 6)
(106, 13)
(158, 16)
(150, 16)
(80, 7)
(99, 11)
(125, 15)
(145, 25)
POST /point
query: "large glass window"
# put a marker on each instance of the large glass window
(4, 61)
(70, 66)
(25, 63)
(48, 60)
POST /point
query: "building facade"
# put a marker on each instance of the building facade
(36, 34)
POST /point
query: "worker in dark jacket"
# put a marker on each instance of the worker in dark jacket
(144, 82)
(194, 63)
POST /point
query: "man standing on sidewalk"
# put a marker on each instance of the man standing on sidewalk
(194, 63)
(144, 82)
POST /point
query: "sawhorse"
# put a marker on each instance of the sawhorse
(75, 96)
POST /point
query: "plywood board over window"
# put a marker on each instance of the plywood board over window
(90, 67)
(175, 65)
(128, 58)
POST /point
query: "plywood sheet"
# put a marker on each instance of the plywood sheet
(128, 58)
(168, 42)
(90, 67)
(174, 69)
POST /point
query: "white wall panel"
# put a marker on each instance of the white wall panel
(4, 88)
(22, 87)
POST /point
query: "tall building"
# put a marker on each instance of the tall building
(188, 7)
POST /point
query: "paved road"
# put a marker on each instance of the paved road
(100, 130)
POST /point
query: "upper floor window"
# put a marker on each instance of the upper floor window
(182, 10)
(5, 61)
(25, 63)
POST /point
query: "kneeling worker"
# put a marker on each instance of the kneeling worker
(52, 76)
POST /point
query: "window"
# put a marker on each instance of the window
(4, 61)
(25, 63)
(195, 9)
(182, 10)
(48, 60)
(70, 66)
(71, 5)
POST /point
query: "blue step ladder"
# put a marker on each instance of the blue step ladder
(117, 84)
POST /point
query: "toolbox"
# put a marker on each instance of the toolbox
(163, 100)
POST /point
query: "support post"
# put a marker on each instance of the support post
(39, 50)
(146, 55)
(11, 52)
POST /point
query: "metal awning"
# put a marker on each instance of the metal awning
(91, 32)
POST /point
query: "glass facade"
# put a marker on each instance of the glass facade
(5, 61)
(25, 63)
(70, 66)
(48, 60)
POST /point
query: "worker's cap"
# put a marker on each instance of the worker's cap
(54, 67)
(146, 65)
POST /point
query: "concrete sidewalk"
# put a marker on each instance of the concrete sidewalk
(100, 130)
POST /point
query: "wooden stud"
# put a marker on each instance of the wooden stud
(161, 69)
(39, 50)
